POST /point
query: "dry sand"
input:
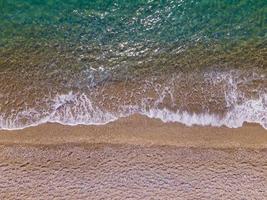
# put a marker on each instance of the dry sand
(134, 158)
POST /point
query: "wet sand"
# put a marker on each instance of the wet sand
(134, 158)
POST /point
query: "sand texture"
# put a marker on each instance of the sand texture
(131, 172)
(134, 158)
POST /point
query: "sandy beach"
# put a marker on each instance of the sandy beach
(134, 158)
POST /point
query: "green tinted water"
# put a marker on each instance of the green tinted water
(105, 22)
(149, 35)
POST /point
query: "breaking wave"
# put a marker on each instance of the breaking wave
(76, 108)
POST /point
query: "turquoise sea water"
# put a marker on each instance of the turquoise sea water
(109, 22)
(91, 62)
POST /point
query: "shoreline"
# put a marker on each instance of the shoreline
(139, 130)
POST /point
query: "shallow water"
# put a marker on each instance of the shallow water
(79, 62)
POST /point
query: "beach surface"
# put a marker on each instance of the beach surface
(133, 158)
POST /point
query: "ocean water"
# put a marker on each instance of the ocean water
(195, 62)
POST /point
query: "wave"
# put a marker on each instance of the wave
(79, 109)
(252, 111)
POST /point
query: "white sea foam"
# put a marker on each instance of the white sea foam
(73, 109)
(252, 111)
(67, 109)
